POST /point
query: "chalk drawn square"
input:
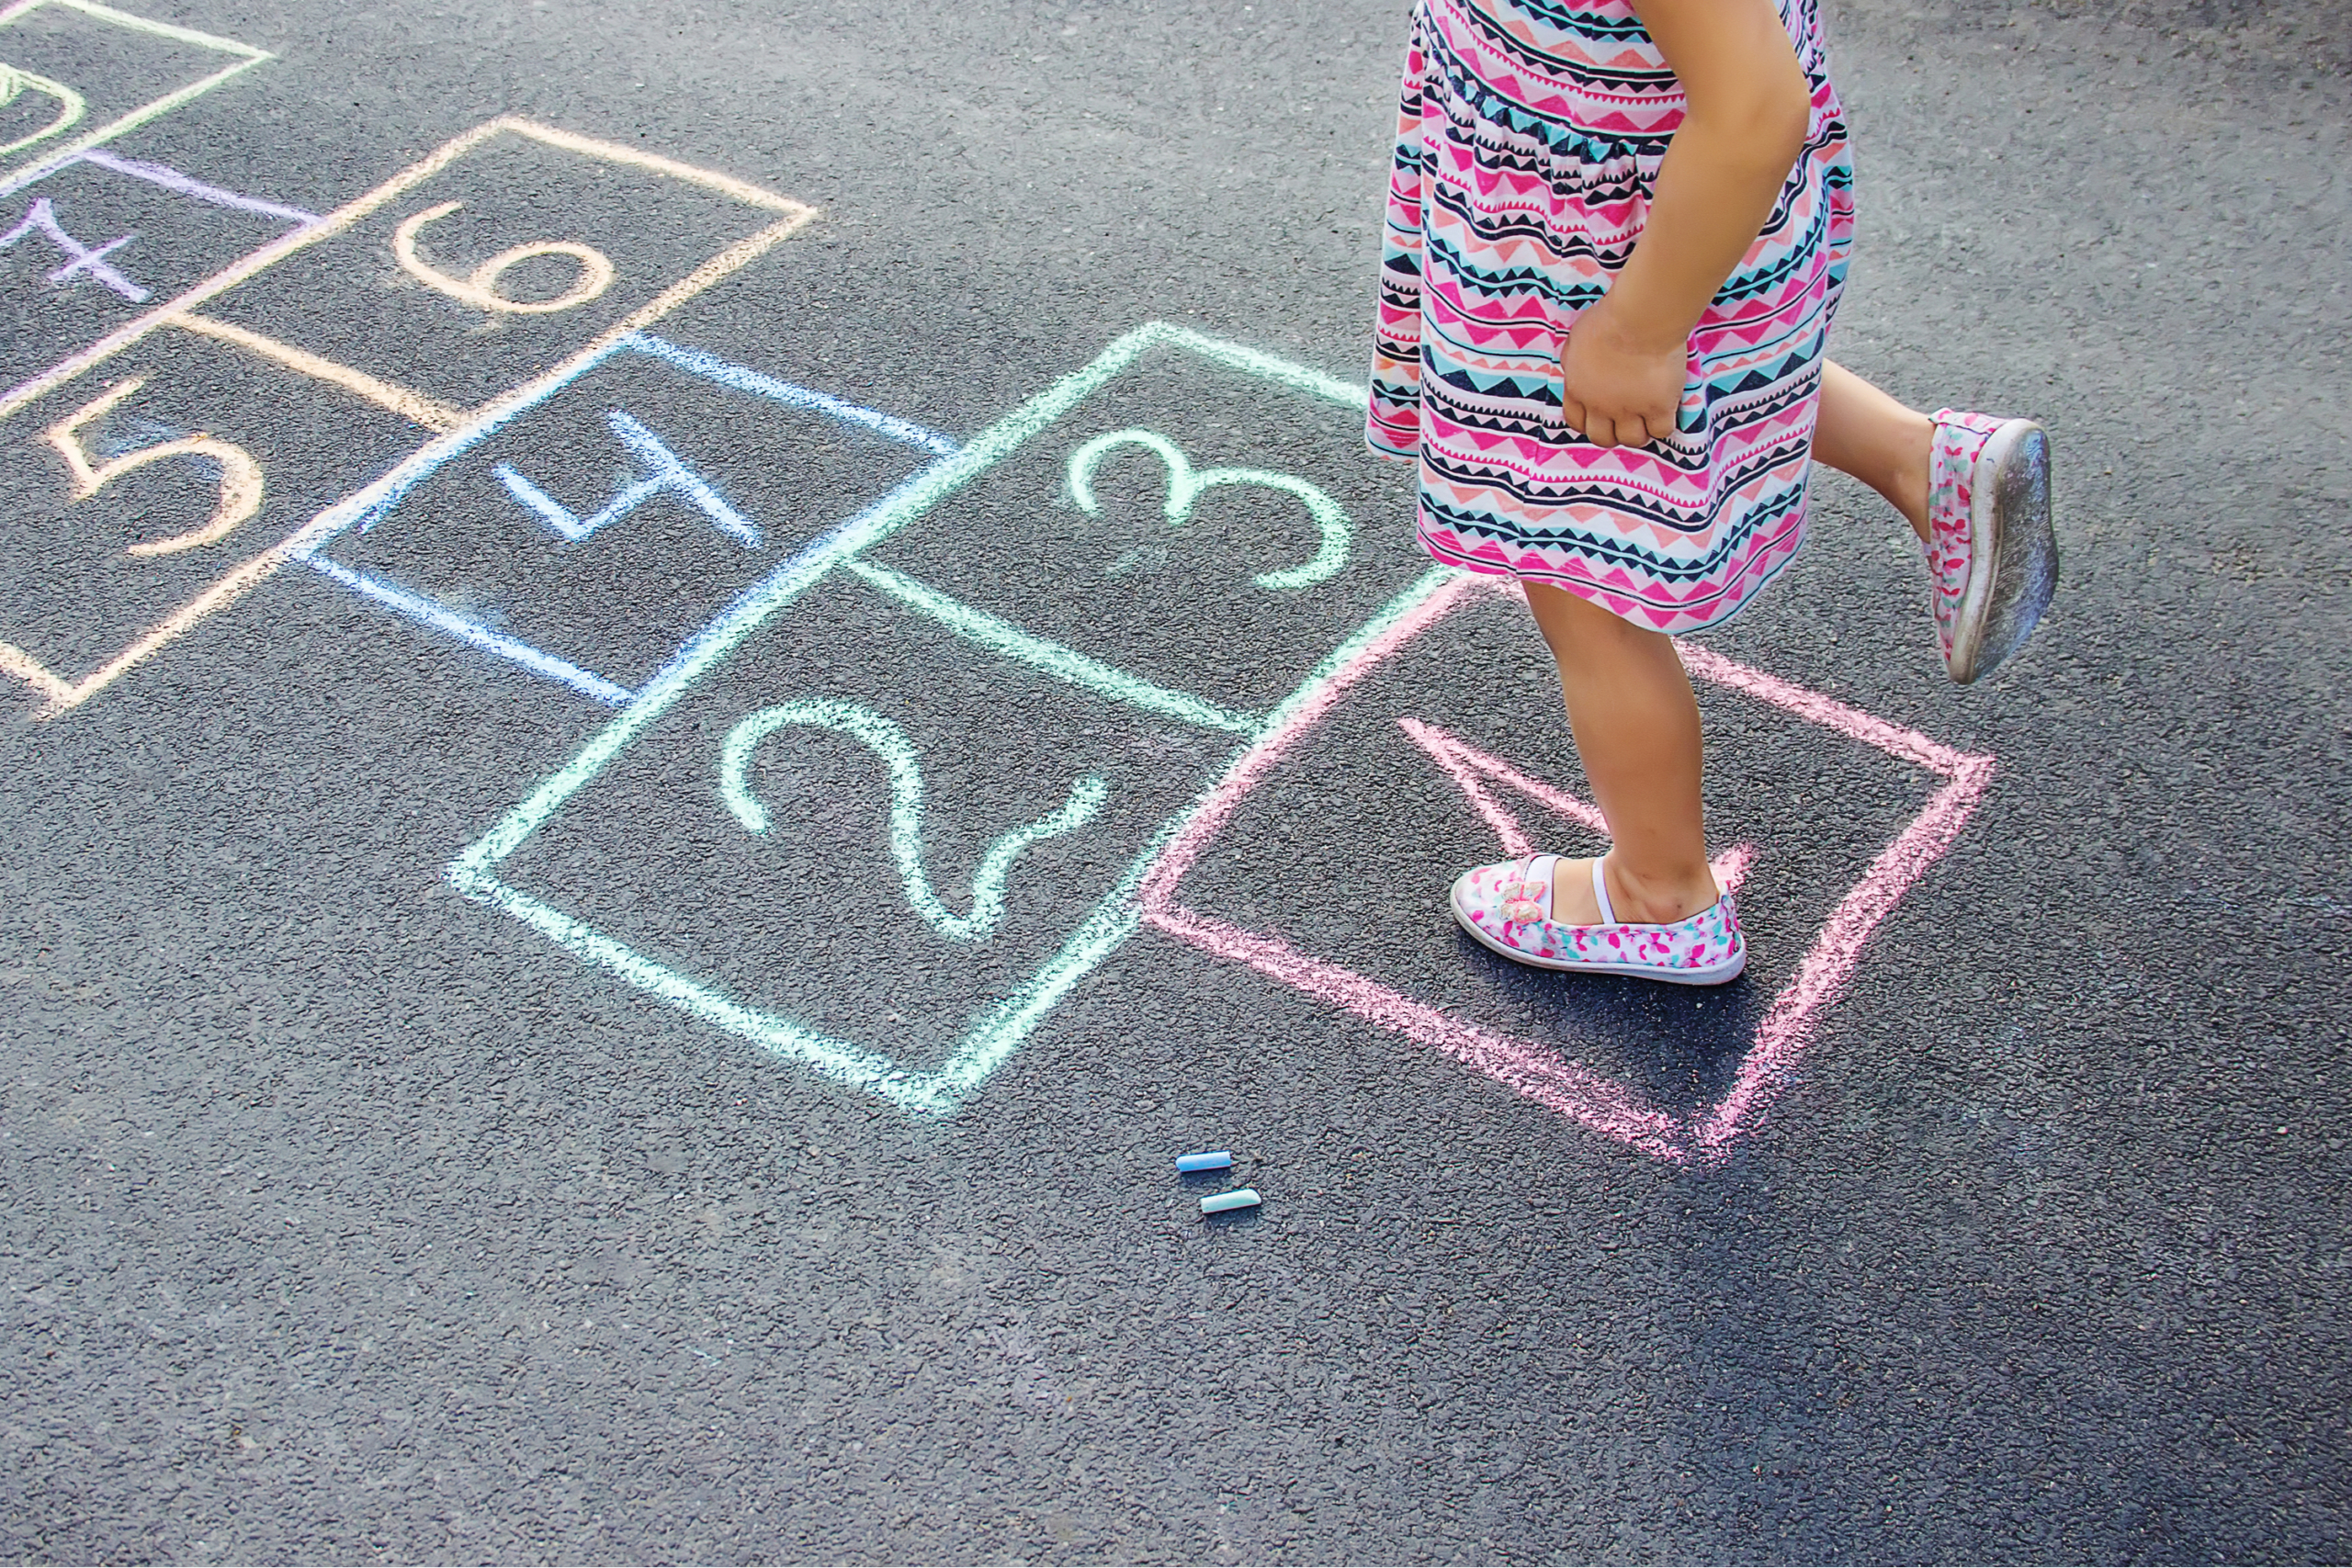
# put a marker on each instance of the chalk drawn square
(586, 536)
(85, 247)
(1145, 530)
(857, 775)
(1120, 723)
(179, 435)
(75, 74)
(442, 427)
(1527, 812)
(498, 258)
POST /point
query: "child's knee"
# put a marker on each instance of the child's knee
(1575, 628)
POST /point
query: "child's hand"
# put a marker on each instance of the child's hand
(1620, 388)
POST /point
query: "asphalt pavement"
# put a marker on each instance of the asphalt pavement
(686, 685)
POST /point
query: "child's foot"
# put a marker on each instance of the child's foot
(1991, 553)
(1508, 907)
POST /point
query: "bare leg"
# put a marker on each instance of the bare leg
(1866, 434)
(1630, 704)
(1636, 726)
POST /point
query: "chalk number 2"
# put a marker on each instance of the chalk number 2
(897, 754)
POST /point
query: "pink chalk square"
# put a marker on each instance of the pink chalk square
(1541, 1072)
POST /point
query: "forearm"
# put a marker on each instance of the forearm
(1750, 104)
(1713, 194)
(1623, 363)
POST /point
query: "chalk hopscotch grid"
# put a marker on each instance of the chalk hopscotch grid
(59, 695)
(48, 163)
(1146, 891)
(999, 1030)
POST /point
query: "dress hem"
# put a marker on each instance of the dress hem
(1593, 593)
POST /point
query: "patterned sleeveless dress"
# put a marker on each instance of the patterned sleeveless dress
(1527, 153)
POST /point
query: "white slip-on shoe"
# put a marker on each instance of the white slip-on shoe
(1508, 907)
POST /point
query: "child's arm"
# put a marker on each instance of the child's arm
(1624, 366)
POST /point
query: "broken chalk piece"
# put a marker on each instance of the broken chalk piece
(1247, 1198)
(1214, 1159)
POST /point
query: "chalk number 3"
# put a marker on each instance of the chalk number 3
(1186, 483)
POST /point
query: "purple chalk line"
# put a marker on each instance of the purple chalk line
(186, 185)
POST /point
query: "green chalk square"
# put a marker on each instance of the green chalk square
(752, 837)
(1004, 1021)
(1231, 599)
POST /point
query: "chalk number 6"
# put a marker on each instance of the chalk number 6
(480, 287)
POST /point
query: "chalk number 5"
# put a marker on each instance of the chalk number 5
(241, 484)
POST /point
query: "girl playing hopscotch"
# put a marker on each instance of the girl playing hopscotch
(1617, 233)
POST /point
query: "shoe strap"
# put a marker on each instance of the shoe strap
(1601, 891)
(1536, 874)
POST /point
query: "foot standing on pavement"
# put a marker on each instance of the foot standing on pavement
(1618, 232)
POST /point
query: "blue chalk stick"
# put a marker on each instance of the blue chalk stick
(1245, 1199)
(1216, 1159)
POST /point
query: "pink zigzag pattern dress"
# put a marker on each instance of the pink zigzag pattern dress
(1527, 153)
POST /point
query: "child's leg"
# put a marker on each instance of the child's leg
(1864, 432)
(1636, 726)
(1629, 703)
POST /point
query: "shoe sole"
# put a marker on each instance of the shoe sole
(1721, 973)
(2009, 527)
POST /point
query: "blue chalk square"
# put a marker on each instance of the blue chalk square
(588, 535)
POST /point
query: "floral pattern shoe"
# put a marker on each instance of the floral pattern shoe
(1990, 549)
(1508, 907)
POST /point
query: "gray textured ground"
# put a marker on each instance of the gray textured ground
(348, 1218)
